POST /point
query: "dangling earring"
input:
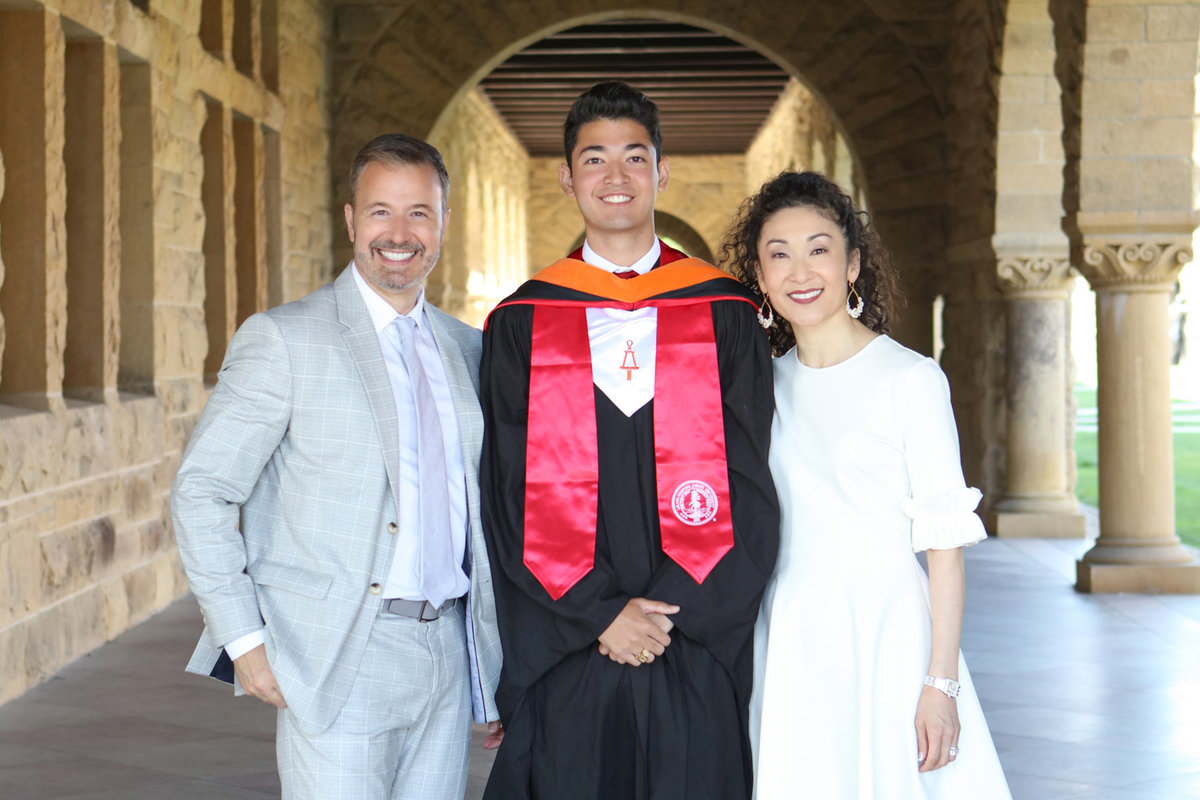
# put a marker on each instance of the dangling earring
(855, 311)
(769, 319)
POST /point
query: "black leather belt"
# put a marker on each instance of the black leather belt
(420, 610)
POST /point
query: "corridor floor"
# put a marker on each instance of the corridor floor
(1088, 698)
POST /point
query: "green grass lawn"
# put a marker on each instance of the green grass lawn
(1187, 474)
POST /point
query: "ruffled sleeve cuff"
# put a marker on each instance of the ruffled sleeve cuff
(945, 521)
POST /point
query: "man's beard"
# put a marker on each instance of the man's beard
(412, 272)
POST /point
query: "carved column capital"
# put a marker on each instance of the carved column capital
(1134, 263)
(1033, 276)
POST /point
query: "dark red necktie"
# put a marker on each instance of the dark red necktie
(626, 274)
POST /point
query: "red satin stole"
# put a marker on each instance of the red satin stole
(562, 473)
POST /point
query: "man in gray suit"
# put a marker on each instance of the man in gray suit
(327, 510)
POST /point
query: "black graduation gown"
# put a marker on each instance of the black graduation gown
(577, 725)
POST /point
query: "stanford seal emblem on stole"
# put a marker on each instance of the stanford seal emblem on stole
(694, 503)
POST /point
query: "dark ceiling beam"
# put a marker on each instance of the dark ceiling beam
(679, 103)
(698, 68)
(535, 84)
(640, 48)
(713, 94)
(706, 116)
(533, 93)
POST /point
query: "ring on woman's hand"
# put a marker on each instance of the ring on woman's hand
(953, 751)
(644, 656)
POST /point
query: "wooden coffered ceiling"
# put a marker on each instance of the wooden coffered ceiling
(713, 94)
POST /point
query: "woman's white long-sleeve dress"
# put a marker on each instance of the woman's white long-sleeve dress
(866, 462)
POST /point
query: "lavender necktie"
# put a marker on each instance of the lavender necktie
(436, 565)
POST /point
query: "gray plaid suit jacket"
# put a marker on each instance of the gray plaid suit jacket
(282, 501)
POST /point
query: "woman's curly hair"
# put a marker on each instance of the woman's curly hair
(876, 281)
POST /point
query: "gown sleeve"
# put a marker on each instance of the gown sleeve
(941, 505)
(720, 612)
(536, 631)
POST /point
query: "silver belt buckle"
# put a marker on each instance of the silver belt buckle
(434, 613)
(426, 608)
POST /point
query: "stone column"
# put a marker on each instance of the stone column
(1138, 550)
(1038, 500)
(914, 325)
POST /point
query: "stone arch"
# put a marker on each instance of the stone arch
(879, 66)
(671, 227)
(1131, 220)
(909, 84)
(1034, 276)
(973, 312)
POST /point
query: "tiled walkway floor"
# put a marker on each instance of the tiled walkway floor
(1088, 697)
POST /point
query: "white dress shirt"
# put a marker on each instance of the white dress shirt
(619, 339)
(641, 266)
(403, 578)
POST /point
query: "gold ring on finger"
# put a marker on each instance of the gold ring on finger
(644, 656)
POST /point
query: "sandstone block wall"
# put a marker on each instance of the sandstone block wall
(217, 155)
(554, 222)
(1029, 138)
(485, 255)
(1, 262)
(103, 239)
(704, 192)
(883, 69)
(964, 273)
(799, 134)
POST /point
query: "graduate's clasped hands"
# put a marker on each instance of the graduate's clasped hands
(639, 633)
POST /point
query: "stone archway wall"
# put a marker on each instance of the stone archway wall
(98, 396)
(554, 221)
(912, 84)
(1132, 232)
(973, 316)
(799, 134)
(485, 253)
(705, 191)
(1033, 274)
(690, 239)
(880, 67)
(672, 229)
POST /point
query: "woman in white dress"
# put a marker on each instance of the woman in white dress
(860, 689)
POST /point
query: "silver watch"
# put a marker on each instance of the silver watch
(947, 686)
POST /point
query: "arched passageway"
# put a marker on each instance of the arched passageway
(879, 79)
(970, 180)
(877, 76)
(674, 232)
(168, 167)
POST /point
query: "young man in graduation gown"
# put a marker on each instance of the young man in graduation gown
(629, 511)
